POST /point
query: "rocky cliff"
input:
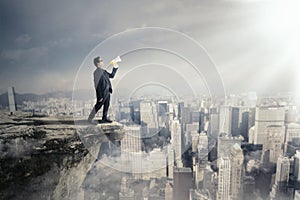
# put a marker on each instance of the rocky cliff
(48, 158)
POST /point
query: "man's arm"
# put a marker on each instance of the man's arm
(112, 74)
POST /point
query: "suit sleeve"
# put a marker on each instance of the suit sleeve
(112, 74)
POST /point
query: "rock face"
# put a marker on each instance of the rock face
(48, 158)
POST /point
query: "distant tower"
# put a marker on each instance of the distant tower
(225, 116)
(235, 121)
(213, 129)
(266, 116)
(237, 168)
(176, 141)
(11, 100)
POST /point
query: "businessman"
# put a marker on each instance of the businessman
(103, 89)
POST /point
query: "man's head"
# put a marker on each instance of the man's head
(98, 62)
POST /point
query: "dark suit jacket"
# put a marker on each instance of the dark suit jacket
(102, 83)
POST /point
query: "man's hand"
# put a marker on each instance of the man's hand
(115, 62)
(101, 100)
(115, 65)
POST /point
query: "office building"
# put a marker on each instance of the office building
(266, 116)
(273, 143)
(183, 182)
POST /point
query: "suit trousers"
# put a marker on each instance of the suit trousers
(98, 106)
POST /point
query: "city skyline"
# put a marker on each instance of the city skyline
(252, 43)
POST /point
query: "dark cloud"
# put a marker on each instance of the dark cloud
(46, 38)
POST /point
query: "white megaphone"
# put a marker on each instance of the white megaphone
(116, 60)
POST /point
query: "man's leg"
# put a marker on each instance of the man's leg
(95, 109)
(105, 108)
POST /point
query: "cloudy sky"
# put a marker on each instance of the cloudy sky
(252, 43)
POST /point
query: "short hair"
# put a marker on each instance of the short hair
(96, 60)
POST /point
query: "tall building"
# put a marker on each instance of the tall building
(131, 147)
(281, 178)
(237, 169)
(162, 108)
(292, 132)
(296, 170)
(225, 115)
(266, 116)
(224, 179)
(273, 143)
(189, 128)
(148, 115)
(176, 138)
(244, 129)
(235, 121)
(11, 99)
(169, 191)
(203, 149)
(183, 182)
(126, 193)
(170, 161)
(282, 171)
(213, 129)
(202, 121)
(131, 141)
(225, 142)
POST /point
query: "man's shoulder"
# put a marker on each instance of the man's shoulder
(98, 71)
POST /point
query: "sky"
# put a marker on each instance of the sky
(251, 44)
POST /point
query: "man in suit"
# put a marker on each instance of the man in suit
(103, 89)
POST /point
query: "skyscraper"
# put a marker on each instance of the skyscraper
(224, 179)
(148, 115)
(281, 178)
(176, 138)
(266, 116)
(169, 191)
(235, 121)
(297, 167)
(273, 143)
(125, 193)
(131, 148)
(225, 142)
(237, 168)
(225, 115)
(213, 129)
(11, 100)
(292, 132)
(183, 182)
(131, 141)
(203, 149)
